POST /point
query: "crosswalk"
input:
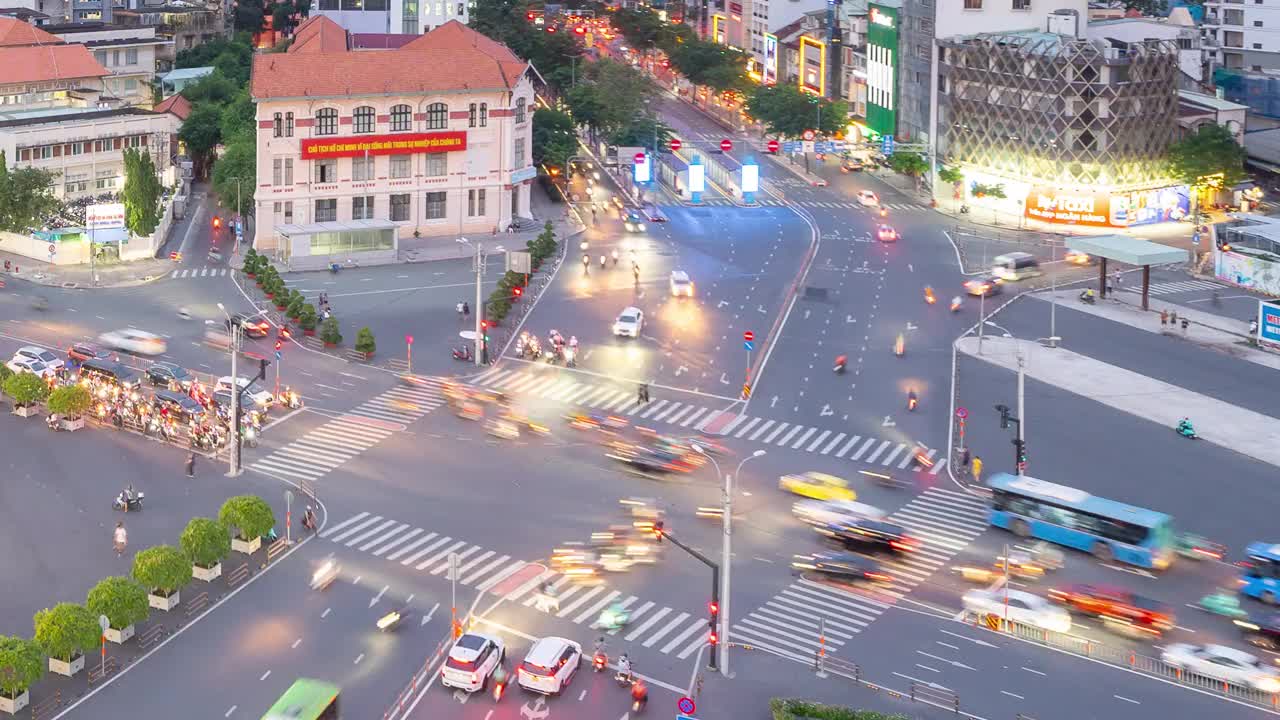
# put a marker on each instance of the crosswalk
(199, 272)
(342, 438)
(810, 615)
(1169, 288)
(565, 387)
(653, 625)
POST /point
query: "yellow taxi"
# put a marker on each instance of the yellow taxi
(816, 485)
(1076, 257)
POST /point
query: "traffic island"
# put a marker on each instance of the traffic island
(793, 709)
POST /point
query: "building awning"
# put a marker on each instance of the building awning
(1129, 250)
(339, 226)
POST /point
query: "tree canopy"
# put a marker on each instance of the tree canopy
(26, 197)
(787, 111)
(141, 193)
(1211, 151)
(554, 140)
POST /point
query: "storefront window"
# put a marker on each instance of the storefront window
(352, 241)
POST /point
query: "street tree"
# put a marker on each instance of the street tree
(235, 174)
(122, 600)
(66, 630)
(710, 64)
(913, 165)
(162, 569)
(205, 541)
(1209, 158)
(239, 117)
(21, 665)
(26, 197)
(554, 140)
(214, 53)
(787, 111)
(249, 515)
(640, 28)
(214, 87)
(141, 193)
(950, 175)
(643, 131)
(202, 132)
(248, 17)
(621, 91)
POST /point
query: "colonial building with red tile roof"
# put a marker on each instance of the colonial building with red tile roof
(359, 148)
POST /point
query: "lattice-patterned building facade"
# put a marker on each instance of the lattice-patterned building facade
(1047, 109)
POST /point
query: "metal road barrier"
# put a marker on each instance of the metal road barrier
(420, 677)
(99, 672)
(237, 576)
(277, 547)
(1132, 660)
(935, 695)
(48, 707)
(151, 636)
(197, 603)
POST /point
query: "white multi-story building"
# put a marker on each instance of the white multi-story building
(1180, 29)
(357, 149)
(1243, 36)
(403, 17)
(129, 53)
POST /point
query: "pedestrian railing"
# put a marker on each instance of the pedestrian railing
(1127, 658)
(197, 603)
(935, 695)
(101, 671)
(418, 680)
(150, 636)
(237, 576)
(277, 547)
(48, 707)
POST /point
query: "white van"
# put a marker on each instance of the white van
(1015, 266)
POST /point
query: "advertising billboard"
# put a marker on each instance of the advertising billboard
(107, 216)
(751, 178)
(770, 73)
(1269, 321)
(1097, 209)
(813, 66)
(882, 69)
(399, 144)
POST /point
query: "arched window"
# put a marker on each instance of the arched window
(520, 111)
(364, 119)
(401, 118)
(326, 121)
(437, 116)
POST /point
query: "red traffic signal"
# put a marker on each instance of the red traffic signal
(676, 144)
(528, 16)
(517, 291)
(279, 344)
(484, 324)
(726, 144)
(714, 607)
(408, 339)
(639, 158)
(748, 336)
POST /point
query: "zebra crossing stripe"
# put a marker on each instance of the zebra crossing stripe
(818, 441)
(697, 625)
(481, 572)
(634, 614)
(883, 446)
(357, 528)
(863, 449)
(693, 646)
(665, 413)
(746, 428)
(733, 424)
(582, 600)
(772, 435)
(794, 429)
(845, 448)
(833, 443)
(505, 573)
(608, 598)
(380, 538)
(662, 632)
(896, 451)
(761, 430)
(653, 619)
(443, 556)
(357, 518)
(398, 541)
(409, 560)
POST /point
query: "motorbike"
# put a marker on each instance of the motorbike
(1194, 547)
(964, 209)
(624, 679)
(250, 437)
(40, 303)
(334, 268)
(1224, 603)
(900, 346)
(841, 361)
(290, 398)
(463, 353)
(499, 687)
(1186, 430)
(126, 504)
(324, 575)
(639, 698)
(912, 401)
(392, 620)
(955, 304)
(570, 357)
(53, 423)
(612, 619)
(929, 297)
(600, 661)
(884, 212)
(1087, 297)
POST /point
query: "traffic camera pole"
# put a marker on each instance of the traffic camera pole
(712, 660)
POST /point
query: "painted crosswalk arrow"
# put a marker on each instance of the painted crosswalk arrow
(537, 710)
(378, 597)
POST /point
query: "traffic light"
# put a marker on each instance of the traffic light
(517, 292)
(714, 623)
(279, 344)
(1004, 416)
(484, 331)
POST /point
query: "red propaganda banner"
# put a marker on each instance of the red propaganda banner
(400, 144)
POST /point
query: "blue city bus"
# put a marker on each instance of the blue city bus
(1261, 576)
(1109, 530)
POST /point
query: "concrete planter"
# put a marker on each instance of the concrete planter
(120, 636)
(208, 574)
(331, 345)
(309, 333)
(163, 602)
(73, 424)
(13, 706)
(26, 410)
(68, 669)
(248, 547)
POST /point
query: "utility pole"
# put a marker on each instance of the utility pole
(233, 457)
(479, 305)
(1022, 416)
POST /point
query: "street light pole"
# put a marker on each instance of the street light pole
(479, 305)
(1022, 413)
(233, 439)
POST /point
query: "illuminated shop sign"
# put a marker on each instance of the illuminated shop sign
(1059, 206)
(883, 19)
(770, 73)
(400, 144)
(1096, 209)
(813, 76)
(882, 69)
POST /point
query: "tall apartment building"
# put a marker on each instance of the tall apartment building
(1243, 35)
(407, 17)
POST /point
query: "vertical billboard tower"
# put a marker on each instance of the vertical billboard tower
(882, 66)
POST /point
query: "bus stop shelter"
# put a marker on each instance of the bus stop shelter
(1130, 251)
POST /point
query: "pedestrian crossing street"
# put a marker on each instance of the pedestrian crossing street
(810, 615)
(654, 626)
(332, 444)
(564, 387)
(768, 201)
(200, 272)
(794, 623)
(1168, 288)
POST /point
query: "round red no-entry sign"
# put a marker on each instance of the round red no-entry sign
(726, 145)
(639, 158)
(772, 146)
(748, 336)
(676, 144)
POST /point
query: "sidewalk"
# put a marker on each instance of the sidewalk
(1235, 428)
(429, 249)
(123, 274)
(1205, 329)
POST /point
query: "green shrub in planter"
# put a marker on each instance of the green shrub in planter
(329, 331)
(26, 389)
(364, 341)
(5, 374)
(122, 600)
(307, 318)
(21, 665)
(162, 569)
(67, 630)
(205, 541)
(250, 261)
(791, 709)
(249, 515)
(70, 401)
(296, 301)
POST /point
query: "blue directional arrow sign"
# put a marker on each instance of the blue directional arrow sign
(748, 345)
(886, 144)
(277, 354)
(791, 146)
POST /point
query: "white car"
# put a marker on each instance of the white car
(629, 323)
(868, 198)
(1224, 664)
(134, 341)
(472, 659)
(550, 665)
(681, 285)
(25, 364)
(260, 397)
(1023, 607)
(51, 361)
(830, 512)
